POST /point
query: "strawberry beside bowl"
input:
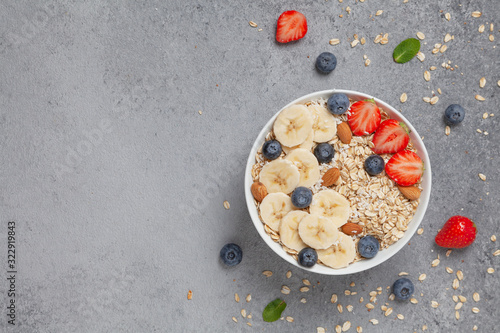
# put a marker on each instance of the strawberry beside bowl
(383, 255)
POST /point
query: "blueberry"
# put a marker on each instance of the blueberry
(326, 62)
(308, 257)
(338, 103)
(302, 197)
(454, 114)
(368, 246)
(374, 165)
(271, 149)
(403, 289)
(231, 254)
(324, 152)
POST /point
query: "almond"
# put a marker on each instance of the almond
(331, 177)
(344, 132)
(351, 229)
(410, 192)
(259, 191)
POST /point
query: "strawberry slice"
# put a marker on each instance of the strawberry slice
(391, 137)
(364, 117)
(458, 232)
(405, 168)
(292, 25)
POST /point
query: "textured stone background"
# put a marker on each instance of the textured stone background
(116, 182)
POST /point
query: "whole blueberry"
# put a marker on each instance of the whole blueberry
(231, 254)
(368, 246)
(374, 165)
(271, 149)
(454, 114)
(403, 288)
(302, 197)
(326, 62)
(308, 257)
(324, 152)
(338, 103)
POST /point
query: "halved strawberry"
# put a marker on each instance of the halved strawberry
(364, 117)
(391, 137)
(292, 25)
(405, 168)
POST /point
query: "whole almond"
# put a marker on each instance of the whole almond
(410, 192)
(259, 191)
(344, 132)
(330, 177)
(351, 229)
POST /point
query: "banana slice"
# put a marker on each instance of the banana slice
(340, 254)
(273, 208)
(293, 125)
(289, 230)
(331, 204)
(318, 232)
(280, 176)
(307, 164)
(324, 124)
(306, 144)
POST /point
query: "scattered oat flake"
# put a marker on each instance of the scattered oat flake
(420, 231)
(427, 99)
(457, 315)
(462, 298)
(455, 298)
(447, 131)
(289, 319)
(427, 76)
(420, 56)
(226, 204)
(448, 253)
(459, 306)
(413, 300)
(347, 292)
(303, 300)
(460, 275)
(496, 253)
(352, 284)
(435, 262)
(479, 98)
(476, 14)
(447, 38)
(491, 38)
(370, 306)
(449, 270)
(377, 39)
(482, 82)
(362, 40)
(359, 329)
(237, 297)
(447, 16)
(403, 274)
(434, 304)
(434, 100)
(424, 328)
(248, 298)
(443, 48)
(493, 238)
(481, 28)
(249, 324)
(367, 62)
(482, 177)
(354, 43)
(400, 316)
(334, 41)
(340, 309)
(485, 115)
(476, 297)
(190, 295)
(199, 111)
(235, 319)
(349, 308)
(338, 329)
(285, 290)
(420, 35)
(243, 313)
(491, 27)
(474, 328)
(432, 68)
(374, 321)
(320, 330)
(455, 284)
(346, 326)
(306, 282)
(304, 289)
(288, 274)
(253, 24)
(379, 12)
(475, 310)
(334, 298)
(267, 273)
(388, 312)
(491, 270)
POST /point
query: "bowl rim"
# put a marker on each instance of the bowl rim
(382, 256)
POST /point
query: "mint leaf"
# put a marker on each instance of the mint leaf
(273, 310)
(406, 50)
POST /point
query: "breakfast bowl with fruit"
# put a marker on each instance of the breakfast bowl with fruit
(337, 182)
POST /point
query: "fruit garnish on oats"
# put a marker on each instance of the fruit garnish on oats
(325, 196)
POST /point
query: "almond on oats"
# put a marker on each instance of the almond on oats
(344, 132)
(351, 229)
(259, 191)
(410, 192)
(330, 177)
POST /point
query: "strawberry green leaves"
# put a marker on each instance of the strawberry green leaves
(406, 50)
(273, 310)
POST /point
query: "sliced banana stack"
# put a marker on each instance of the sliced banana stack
(307, 164)
(331, 204)
(273, 208)
(306, 144)
(324, 124)
(340, 254)
(280, 176)
(289, 230)
(318, 232)
(293, 125)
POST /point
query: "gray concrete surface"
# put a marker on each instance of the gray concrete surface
(116, 182)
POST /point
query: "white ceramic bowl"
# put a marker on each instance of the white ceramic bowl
(382, 255)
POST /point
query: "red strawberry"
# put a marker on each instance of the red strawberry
(457, 232)
(390, 137)
(405, 168)
(364, 117)
(292, 25)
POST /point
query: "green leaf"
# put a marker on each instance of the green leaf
(406, 50)
(273, 310)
